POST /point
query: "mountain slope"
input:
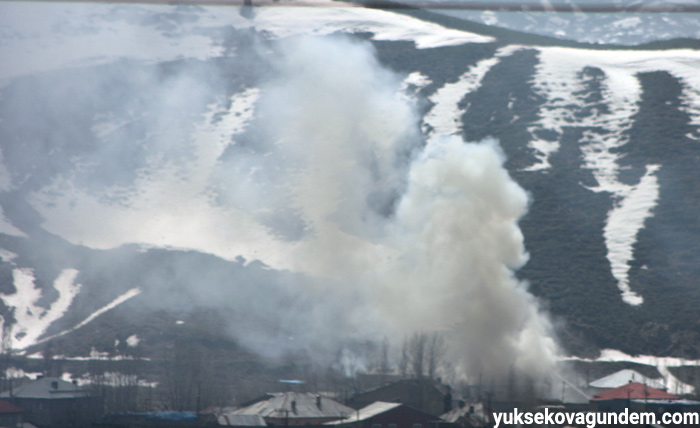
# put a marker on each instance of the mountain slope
(163, 179)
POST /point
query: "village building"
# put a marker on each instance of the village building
(11, 416)
(389, 415)
(156, 419)
(621, 398)
(427, 395)
(50, 402)
(296, 409)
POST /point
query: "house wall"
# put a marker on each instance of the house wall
(59, 413)
(11, 420)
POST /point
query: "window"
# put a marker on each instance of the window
(417, 426)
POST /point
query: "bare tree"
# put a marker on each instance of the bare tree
(403, 360)
(384, 357)
(183, 376)
(5, 355)
(435, 353)
(417, 354)
(422, 355)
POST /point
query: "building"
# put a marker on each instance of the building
(158, 419)
(388, 415)
(11, 416)
(618, 399)
(423, 394)
(51, 402)
(296, 409)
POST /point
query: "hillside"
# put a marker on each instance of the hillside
(275, 195)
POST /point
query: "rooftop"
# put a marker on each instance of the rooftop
(297, 405)
(624, 377)
(230, 419)
(633, 391)
(368, 412)
(46, 388)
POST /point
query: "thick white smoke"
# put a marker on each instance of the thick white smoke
(442, 256)
(457, 226)
(328, 176)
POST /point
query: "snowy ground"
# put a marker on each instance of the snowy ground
(601, 28)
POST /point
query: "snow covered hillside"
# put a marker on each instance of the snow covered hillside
(165, 158)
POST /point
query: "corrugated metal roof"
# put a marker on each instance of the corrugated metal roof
(368, 412)
(297, 405)
(46, 388)
(231, 419)
(623, 377)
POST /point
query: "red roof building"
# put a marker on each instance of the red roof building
(633, 391)
(10, 415)
(6, 407)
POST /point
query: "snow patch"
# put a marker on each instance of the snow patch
(416, 79)
(559, 78)
(133, 341)
(7, 256)
(17, 373)
(114, 303)
(59, 35)
(54, 36)
(94, 355)
(292, 21)
(113, 379)
(627, 23)
(33, 320)
(151, 215)
(624, 222)
(444, 118)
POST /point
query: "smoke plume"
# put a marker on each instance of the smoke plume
(306, 156)
(425, 234)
